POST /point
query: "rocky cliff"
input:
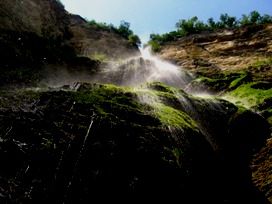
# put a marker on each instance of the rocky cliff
(86, 142)
(149, 137)
(37, 33)
(234, 64)
(223, 49)
(49, 19)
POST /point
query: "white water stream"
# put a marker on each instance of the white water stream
(145, 68)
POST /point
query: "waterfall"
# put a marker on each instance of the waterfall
(144, 68)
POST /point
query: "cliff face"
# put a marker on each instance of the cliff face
(39, 17)
(224, 49)
(38, 33)
(83, 141)
(49, 19)
(234, 64)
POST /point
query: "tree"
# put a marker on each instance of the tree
(244, 20)
(227, 21)
(211, 23)
(193, 25)
(92, 23)
(155, 37)
(124, 30)
(187, 27)
(265, 19)
(134, 40)
(254, 17)
(200, 26)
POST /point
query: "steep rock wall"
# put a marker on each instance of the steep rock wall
(224, 49)
(49, 19)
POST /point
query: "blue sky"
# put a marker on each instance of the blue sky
(160, 16)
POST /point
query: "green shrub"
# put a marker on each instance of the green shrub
(124, 29)
(193, 25)
(134, 40)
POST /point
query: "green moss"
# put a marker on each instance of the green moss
(107, 99)
(156, 92)
(260, 63)
(174, 155)
(222, 81)
(100, 57)
(248, 96)
(269, 119)
(47, 144)
(163, 101)
(154, 101)
(237, 82)
(172, 117)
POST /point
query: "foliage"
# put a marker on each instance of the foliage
(155, 45)
(134, 40)
(227, 21)
(98, 25)
(123, 29)
(255, 18)
(155, 42)
(193, 25)
(187, 27)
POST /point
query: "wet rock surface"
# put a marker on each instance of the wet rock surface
(66, 142)
(83, 142)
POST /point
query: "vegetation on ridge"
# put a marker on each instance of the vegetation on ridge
(249, 87)
(123, 29)
(194, 25)
(68, 144)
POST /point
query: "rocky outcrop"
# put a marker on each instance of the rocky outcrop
(49, 19)
(43, 18)
(224, 49)
(38, 35)
(234, 64)
(85, 142)
(88, 142)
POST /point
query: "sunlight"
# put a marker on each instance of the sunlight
(144, 68)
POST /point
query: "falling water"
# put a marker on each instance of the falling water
(148, 68)
(145, 68)
(203, 112)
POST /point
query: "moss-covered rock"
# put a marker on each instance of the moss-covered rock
(81, 142)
